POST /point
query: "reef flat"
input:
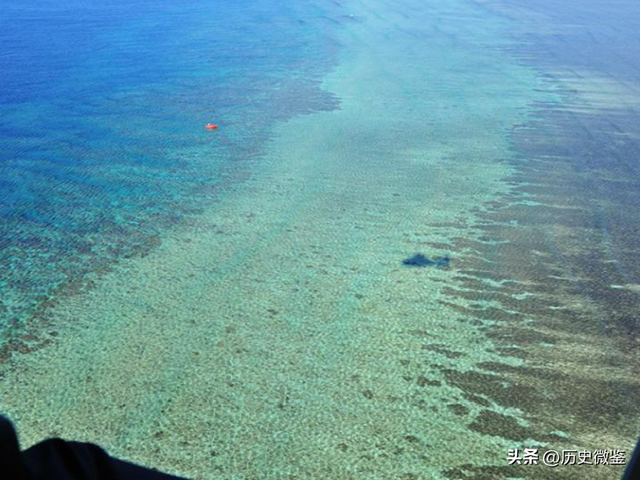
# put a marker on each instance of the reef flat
(280, 335)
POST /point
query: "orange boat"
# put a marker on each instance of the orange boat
(211, 126)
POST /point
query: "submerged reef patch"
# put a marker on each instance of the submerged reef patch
(420, 260)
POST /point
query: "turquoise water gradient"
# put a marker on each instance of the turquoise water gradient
(102, 108)
(238, 304)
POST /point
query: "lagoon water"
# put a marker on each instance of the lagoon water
(246, 303)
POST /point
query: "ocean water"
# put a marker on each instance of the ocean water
(242, 303)
(103, 109)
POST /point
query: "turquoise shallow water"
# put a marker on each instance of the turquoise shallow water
(237, 305)
(103, 108)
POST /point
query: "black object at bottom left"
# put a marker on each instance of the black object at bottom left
(57, 459)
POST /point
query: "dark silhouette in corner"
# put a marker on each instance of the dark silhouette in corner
(57, 459)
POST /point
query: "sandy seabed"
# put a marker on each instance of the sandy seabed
(281, 336)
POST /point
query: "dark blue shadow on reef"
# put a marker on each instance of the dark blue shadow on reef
(419, 260)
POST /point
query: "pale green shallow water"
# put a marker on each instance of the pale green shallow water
(282, 337)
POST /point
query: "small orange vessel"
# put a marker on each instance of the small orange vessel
(211, 126)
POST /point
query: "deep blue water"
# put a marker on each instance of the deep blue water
(102, 108)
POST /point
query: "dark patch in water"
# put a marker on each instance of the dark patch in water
(420, 260)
